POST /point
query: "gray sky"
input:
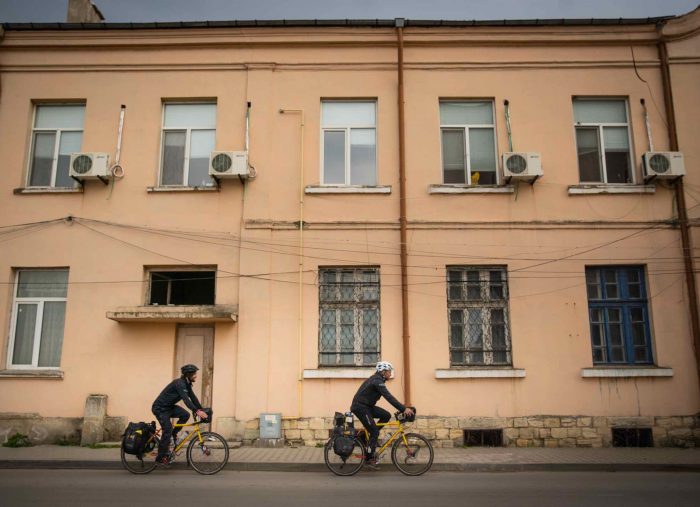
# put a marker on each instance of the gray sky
(199, 10)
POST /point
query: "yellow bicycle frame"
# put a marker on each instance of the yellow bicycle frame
(196, 431)
(400, 430)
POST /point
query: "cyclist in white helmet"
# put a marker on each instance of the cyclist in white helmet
(364, 405)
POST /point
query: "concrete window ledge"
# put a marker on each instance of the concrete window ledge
(347, 189)
(46, 190)
(626, 372)
(448, 373)
(471, 189)
(180, 189)
(339, 373)
(194, 313)
(38, 374)
(611, 189)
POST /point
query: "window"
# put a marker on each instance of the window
(57, 132)
(477, 307)
(467, 130)
(182, 287)
(617, 306)
(189, 137)
(39, 313)
(349, 317)
(602, 140)
(349, 143)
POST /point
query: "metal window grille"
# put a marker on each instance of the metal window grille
(619, 315)
(477, 307)
(349, 316)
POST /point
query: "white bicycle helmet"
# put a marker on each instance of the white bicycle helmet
(384, 366)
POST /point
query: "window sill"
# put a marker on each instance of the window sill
(47, 190)
(626, 372)
(471, 189)
(595, 188)
(480, 372)
(347, 189)
(32, 374)
(181, 189)
(339, 373)
(190, 313)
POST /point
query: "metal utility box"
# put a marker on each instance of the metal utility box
(270, 425)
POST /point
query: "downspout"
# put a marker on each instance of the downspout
(680, 200)
(402, 222)
(300, 377)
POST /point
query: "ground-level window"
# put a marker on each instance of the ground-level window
(188, 287)
(349, 316)
(477, 307)
(38, 318)
(619, 315)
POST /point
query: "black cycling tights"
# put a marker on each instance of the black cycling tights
(367, 415)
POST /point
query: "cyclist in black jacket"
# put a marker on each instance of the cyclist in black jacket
(365, 401)
(165, 408)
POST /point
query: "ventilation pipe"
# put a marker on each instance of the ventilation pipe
(680, 200)
(648, 126)
(406, 337)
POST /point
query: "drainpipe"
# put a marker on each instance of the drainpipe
(680, 200)
(301, 253)
(406, 337)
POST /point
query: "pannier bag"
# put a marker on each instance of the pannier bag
(136, 437)
(343, 446)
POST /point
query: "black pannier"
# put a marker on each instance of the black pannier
(136, 437)
(343, 446)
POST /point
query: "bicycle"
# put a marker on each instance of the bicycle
(411, 453)
(207, 452)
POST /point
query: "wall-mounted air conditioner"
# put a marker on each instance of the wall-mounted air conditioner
(229, 164)
(86, 166)
(663, 164)
(526, 166)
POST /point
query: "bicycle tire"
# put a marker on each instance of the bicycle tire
(144, 465)
(209, 455)
(348, 466)
(417, 458)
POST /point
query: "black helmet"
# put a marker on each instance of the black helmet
(188, 368)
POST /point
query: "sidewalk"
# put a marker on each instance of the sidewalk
(475, 459)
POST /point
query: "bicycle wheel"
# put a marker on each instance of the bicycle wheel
(416, 458)
(344, 466)
(141, 464)
(209, 455)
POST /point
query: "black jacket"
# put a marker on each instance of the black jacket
(178, 389)
(371, 390)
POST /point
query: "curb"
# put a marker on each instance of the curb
(321, 467)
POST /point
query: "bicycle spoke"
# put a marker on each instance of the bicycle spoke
(209, 455)
(344, 466)
(414, 456)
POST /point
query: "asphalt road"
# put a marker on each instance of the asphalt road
(186, 487)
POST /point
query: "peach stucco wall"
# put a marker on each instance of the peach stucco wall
(251, 229)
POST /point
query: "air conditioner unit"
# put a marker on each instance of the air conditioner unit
(663, 164)
(522, 165)
(228, 164)
(85, 166)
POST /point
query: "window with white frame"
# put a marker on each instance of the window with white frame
(57, 132)
(468, 137)
(603, 140)
(349, 316)
(38, 318)
(477, 307)
(189, 137)
(349, 140)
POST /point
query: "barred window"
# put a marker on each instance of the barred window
(477, 307)
(349, 316)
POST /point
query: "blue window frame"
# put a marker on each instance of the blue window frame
(619, 315)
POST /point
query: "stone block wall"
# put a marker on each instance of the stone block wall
(531, 431)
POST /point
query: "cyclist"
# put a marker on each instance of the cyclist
(165, 408)
(364, 405)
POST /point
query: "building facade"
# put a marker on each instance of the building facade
(555, 310)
